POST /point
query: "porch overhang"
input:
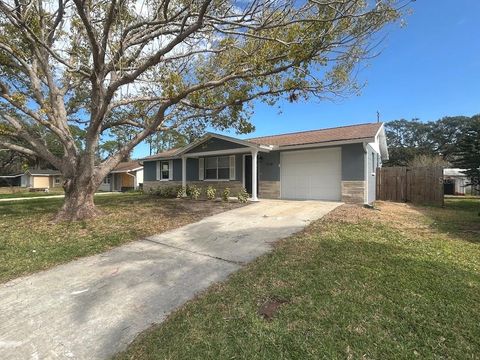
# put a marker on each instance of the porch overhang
(247, 146)
(125, 171)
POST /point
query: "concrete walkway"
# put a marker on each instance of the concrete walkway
(49, 197)
(94, 307)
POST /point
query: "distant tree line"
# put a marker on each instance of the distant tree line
(449, 141)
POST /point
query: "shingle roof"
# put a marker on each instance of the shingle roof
(343, 133)
(43, 172)
(127, 166)
(163, 154)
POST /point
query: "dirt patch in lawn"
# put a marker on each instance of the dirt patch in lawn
(408, 218)
(270, 307)
(395, 214)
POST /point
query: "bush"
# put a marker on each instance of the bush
(226, 194)
(211, 192)
(165, 192)
(242, 195)
(181, 192)
(195, 192)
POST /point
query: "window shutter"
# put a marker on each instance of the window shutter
(158, 170)
(232, 167)
(201, 169)
(170, 169)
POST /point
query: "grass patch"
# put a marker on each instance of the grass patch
(398, 283)
(7, 193)
(29, 241)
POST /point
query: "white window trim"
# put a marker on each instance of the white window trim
(229, 168)
(159, 170)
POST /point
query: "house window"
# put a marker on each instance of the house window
(107, 180)
(164, 170)
(217, 168)
(57, 180)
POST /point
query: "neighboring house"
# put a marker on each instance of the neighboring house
(455, 182)
(36, 178)
(329, 164)
(126, 176)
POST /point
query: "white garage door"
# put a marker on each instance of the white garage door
(311, 174)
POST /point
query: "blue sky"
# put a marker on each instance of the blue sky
(428, 69)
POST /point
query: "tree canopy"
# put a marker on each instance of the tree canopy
(410, 139)
(138, 67)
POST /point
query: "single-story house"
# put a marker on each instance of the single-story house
(126, 176)
(36, 178)
(328, 164)
(455, 182)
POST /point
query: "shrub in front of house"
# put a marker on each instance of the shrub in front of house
(226, 194)
(165, 192)
(181, 192)
(242, 195)
(195, 192)
(211, 192)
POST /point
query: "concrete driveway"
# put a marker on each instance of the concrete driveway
(94, 307)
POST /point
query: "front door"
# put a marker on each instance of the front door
(248, 174)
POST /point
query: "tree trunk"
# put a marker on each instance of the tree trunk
(78, 203)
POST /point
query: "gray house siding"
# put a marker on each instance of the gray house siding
(239, 167)
(353, 162)
(215, 144)
(269, 166)
(149, 171)
(354, 185)
(177, 169)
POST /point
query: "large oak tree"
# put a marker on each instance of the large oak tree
(143, 66)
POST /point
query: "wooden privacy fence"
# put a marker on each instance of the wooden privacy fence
(420, 185)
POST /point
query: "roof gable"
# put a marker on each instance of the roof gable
(215, 144)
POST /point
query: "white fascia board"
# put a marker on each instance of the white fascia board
(382, 142)
(9, 176)
(222, 152)
(125, 171)
(375, 146)
(160, 159)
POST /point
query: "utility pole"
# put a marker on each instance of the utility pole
(378, 116)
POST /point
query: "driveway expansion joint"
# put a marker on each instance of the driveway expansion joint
(240, 263)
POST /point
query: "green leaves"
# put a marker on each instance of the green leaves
(124, 70)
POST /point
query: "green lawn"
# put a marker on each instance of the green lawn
(399, 283)
(6, 193)
(30, 242)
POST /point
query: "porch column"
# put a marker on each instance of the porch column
(254, 175)
(184, 174)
